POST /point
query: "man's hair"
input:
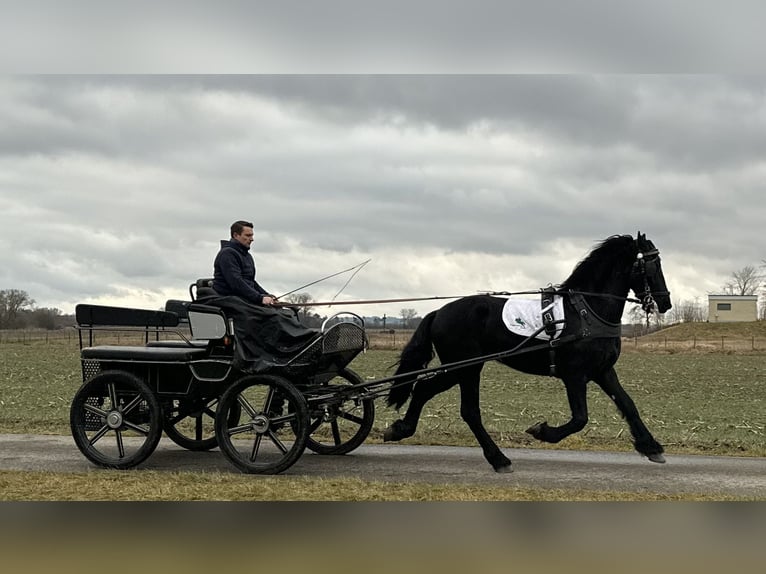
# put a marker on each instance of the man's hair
(237, 226)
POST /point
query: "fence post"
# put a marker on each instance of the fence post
(722, 341)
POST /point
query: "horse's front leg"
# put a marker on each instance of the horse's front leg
(578, 404)
(642, 438)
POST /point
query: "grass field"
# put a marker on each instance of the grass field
(692, 402)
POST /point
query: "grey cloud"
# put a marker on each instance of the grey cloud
(688, 121)
(138, 177)
(345, 36)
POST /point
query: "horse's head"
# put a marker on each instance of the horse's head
(646, 278)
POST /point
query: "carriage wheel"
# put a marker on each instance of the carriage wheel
(116, 420)
(190, 422)
(339, 426)
(271, 432)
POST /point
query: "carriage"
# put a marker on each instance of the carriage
(194, 388)
(184, 380)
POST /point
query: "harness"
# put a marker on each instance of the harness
(591, 324)
(546, 304)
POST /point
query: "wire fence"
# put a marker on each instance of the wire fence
(71, 336)
(395, 339)
(29, 336)
(697, 344)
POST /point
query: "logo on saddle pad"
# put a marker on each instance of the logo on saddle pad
(525, 317)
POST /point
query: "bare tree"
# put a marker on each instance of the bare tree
(687, 311)
(746, 281)
(44, 317)
(638, 318)
(407, 316)
(302, 299)
(12, 301)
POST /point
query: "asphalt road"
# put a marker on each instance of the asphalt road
(627, 472)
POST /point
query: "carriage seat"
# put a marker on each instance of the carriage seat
(89, 316)
(144, 354)
(180, 308)
(206, 324)
(202, 288)
(192, 343)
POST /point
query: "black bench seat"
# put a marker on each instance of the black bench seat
(135, 353)
(192, 343)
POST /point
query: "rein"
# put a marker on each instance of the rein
(366, 301)
(438, 297)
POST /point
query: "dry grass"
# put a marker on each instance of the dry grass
(144, 485)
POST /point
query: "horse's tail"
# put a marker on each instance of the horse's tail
(415, 357)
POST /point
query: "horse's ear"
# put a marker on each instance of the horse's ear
(640, 237)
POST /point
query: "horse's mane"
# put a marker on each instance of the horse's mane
(602, 259)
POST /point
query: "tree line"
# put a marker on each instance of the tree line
(18, 311)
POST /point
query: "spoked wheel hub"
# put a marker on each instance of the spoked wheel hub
(114, 420)
(260, 424)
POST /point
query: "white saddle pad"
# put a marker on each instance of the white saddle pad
(525, 316)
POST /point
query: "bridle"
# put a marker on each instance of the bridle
(645, 265)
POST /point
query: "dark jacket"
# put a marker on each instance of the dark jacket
(234, 273)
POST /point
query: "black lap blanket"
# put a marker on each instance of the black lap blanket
(266, 336)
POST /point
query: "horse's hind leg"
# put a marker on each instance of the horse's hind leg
(578, 404)
(642, 438)
(471, 413)
(422, 392)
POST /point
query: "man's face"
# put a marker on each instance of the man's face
(246, 237)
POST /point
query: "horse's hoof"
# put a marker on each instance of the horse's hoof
(656, 458)
(504, 469)
(392, 434)
(536, 430)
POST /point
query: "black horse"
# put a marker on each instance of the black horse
(594, 298)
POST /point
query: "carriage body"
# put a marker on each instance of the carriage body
(183, 378)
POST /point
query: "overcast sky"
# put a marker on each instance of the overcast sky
(117, 189)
